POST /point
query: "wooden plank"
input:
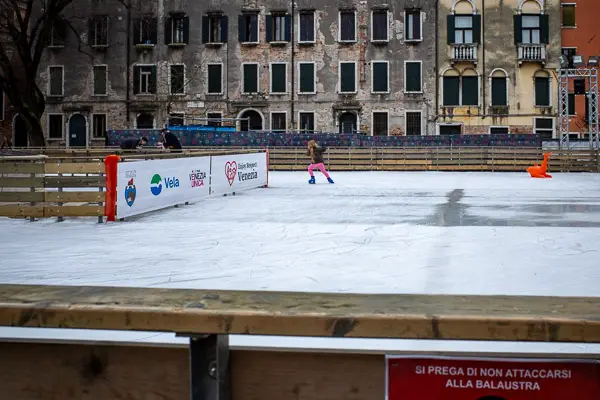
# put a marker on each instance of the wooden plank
(74, 211)
(514, 318)
(74, 181)
(17, 211)
(21, 197)
(75, 168)
(75, 197)
(21, 168)
(12, 182)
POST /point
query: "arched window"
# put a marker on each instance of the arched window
(499, 85)
(451, 88)
(531, 25)
(542, 88)
(460, 89)
(469, 82)
(464, 24)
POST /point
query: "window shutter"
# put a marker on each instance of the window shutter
(417, 25)
(254, 30)
(153, 80)
(279, 81)
(224, 29)
(269, 28)
(91, 32)
(380, 77)
(413, 77)
(241, 28)
(450, 28)
(168, 30)
(470, 90)
(136, 79)
(347, 78)
(542, 91)
(154, 30)
(136, 31)
(186, 29)
(499, 92)
(477, 28)
(451, 91)
(250, 78)
(544, 29)
(205, 28)
(288, 28)
(307, 78)
(518, 24)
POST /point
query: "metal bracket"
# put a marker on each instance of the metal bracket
(209, 367)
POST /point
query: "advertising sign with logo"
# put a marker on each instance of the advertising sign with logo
(238, 172)
(423, 378)
(144, 186)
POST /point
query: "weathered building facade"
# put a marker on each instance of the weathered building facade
(579, 37)
(497, 65)
(342, 66)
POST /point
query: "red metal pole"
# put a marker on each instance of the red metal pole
(267, 154)
(110, 202)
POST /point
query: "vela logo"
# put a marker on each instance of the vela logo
(156, 184)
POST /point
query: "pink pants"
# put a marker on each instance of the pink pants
(321, 168)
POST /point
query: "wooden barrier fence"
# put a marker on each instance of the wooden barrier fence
(208, 317)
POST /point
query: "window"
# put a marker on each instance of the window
(412, 76)
(100, 77)
(98, 31)
(248, 27)
(568, 15)
(464, 29)
(571, 108)
(380, 79)
(499, 88)
(531, 29)
(347, 77)
(569, 53)
(177, 79)
(460, 90)
(145, 31)
(412, 25)
(306, 26)
(250, 78)
(579, 85)
(214, 118)
(544, 127)
(470, 90)
(380, 123)
(306, 121)
(347, 26)
(55, 126)
(278, 121)
(215, 78)
(279, 27)
(379, 26)
(278, 78)
(58, 33)
(307, 76)
(176, 119)
(451, 91)
(499, 130)
(214, 28)
(99, 125)
(542, 91)
(56, 81)
(177, 28)
(413, 123)
(144, 78)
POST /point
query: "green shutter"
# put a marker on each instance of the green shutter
(499, 92)
(413, 77)
(451, 88)
(214, 79)
(544, 29)
(307, 78)
(168, 23)
(278, 78)
(153, 80)
(186, 29)
(136, 31)
(542, 92)
(154, 30)
(477, 28)
(205, 28)
(269, 28)
(518, 24)
(136, 79)
(450, 28)
(470, 90)
(347, 77)
(250, 78)
(224, 29)
(380, 77)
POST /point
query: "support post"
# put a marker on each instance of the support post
(209, 367)
(110, 204)
(267, 155)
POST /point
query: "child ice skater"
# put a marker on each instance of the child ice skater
(316, 158)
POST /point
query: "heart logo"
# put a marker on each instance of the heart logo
(230, 171)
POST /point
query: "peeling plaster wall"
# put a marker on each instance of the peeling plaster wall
(327, 52)
(497, 50)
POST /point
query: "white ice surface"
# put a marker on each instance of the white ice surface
(371, 232)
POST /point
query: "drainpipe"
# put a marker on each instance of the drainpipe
(293, 65)
(437, 67)
(484, 76)
(127, 66)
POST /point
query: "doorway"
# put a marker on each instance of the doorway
(144, 121)
(347, 122)
(253, 123)
(77, 131)
(20, 135)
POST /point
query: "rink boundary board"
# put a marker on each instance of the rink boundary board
(190, 311)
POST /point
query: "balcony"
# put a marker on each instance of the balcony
(532, 53)
(464, 53)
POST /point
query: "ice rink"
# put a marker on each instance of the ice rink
(371, 232)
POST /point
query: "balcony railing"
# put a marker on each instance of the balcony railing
(532, 52)
(464, 52)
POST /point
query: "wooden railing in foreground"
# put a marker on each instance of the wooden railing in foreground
(208, 317)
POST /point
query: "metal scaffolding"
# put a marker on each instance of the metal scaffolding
(564, 77)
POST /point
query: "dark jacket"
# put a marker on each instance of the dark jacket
(171, 142)
(317, 156)
(130, 144)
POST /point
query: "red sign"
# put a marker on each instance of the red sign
(491, 379)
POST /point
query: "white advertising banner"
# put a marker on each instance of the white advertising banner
(238, 172)
(144, 186)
